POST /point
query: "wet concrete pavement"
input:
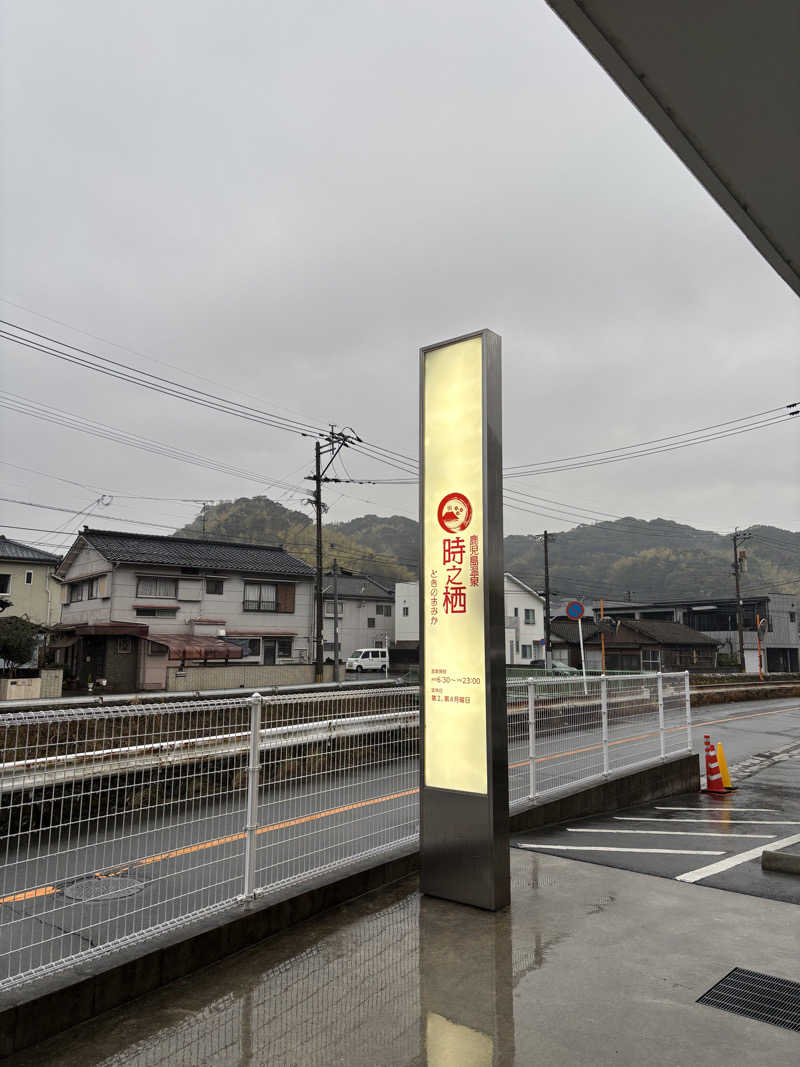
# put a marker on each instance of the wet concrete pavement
(590, 965)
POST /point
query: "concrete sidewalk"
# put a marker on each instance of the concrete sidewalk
(591, 965)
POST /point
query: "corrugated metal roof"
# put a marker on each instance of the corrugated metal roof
(17, 551)
(122, 547)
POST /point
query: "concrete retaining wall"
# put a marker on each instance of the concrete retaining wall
(49, 1006)
(242, 676)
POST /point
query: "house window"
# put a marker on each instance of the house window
(383, 609)
(124, 645)
(527, 652)
(327, 646)
(5, 583)
(29, 577)
(156, 650)
(405, 613)
(214, 586)
(250, 646)
(160, 587)
(260, 596)
(370, 624)
(75, 592)
(329, 609)
(516, 647)
(284, 646)
(792, 614)
(156, 613)
(516, 613)
(96, 587)
(651, 659)
(530, 616)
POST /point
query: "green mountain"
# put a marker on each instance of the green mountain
(263, 521)
(645, 560)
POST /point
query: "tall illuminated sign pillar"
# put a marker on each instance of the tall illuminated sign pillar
(464, 783)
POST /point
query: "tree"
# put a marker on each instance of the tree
(17, 640)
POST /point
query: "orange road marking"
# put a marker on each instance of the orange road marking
(29, 894)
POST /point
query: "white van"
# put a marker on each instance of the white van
(368, 659)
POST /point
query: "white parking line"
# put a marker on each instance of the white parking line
(709, 822)
(734, 861)
(647, 851)
(660, 807)
(673, 833)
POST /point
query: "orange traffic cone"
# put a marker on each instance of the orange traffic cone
(713, 775)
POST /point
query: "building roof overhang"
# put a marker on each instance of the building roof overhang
(720, 83)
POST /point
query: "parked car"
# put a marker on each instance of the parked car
(557, 668)
(368, 659)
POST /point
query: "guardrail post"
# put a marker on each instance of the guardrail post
(687, 694)
(531, 739)
(251, 826)
(604, 720)
(662, 738)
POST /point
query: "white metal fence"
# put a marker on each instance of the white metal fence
(121, 823)
(568, 732)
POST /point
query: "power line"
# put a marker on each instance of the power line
(125, 348)
(168, 386)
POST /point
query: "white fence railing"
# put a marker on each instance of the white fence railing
(121, 823)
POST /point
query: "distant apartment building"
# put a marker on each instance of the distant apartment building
(524, 619)
(366, 614)
(134, 605)
(27, 588)
(716, 618)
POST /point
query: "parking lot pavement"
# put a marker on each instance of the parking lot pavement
(695, 838)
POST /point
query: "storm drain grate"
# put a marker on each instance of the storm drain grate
(757, 996)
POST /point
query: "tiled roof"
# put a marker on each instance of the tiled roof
(24, 553)
(122, 547)
(648, 631)
(567, 630)
(669, 633)
(352, 586)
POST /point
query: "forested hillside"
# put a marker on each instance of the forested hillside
(655, 559)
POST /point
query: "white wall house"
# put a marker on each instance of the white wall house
(366, 614)
(134, 604)
(524, 611)
(406, 626)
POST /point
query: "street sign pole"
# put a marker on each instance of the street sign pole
(464, 836)
(575, 612)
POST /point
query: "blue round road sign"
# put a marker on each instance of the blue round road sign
(575, 610)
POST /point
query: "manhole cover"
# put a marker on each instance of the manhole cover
(757, 996)
(102, 888)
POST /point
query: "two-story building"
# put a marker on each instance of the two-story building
(524, 609)
(524, 619)
(27, 588)
(716, 617)
(133, 605)
(365, 614)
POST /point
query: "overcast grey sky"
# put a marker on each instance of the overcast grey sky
(289, 199)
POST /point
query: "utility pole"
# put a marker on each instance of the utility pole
(548, 649)
(335, 622)
(738, 538)
(334, 442)
(319, 650)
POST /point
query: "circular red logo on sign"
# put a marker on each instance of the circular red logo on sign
(455, 513)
